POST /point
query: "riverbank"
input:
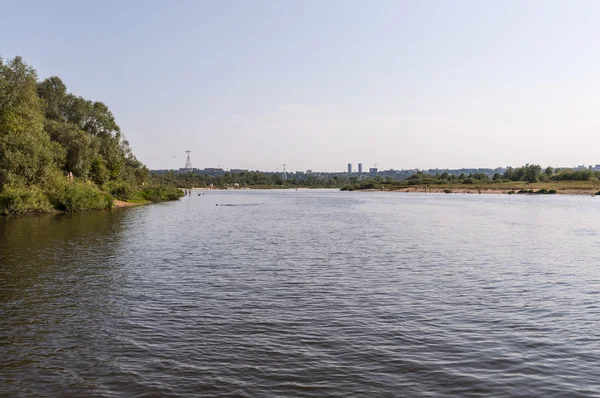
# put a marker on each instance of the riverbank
(76, 196)
(500, 188)
(119, 203)
(254, 187)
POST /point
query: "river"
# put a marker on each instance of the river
(307, 293)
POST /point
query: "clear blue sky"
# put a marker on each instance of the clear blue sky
(318, 84)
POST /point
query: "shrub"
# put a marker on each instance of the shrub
(511, 192)
(76, 195)
(160, 193)
(121, 190)
(447, 191)
(366, 185)
(480, 176)
(542, 191)
(99, 173)
(23, 200)
(552, 191)
(573, 175)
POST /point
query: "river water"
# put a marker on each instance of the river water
(305, 293)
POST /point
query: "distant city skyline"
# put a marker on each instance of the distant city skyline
(360, 168)
(315, 85)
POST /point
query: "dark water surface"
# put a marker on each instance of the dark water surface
(312, 293)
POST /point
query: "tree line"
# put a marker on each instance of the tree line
(60, 151)
(528, 174)
(249, 179)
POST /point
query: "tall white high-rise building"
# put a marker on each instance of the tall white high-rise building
(349, 168)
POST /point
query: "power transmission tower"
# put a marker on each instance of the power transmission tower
(188, 162)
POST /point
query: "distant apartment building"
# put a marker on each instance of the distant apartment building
(349, 168)
(360, 168)
(373, 170)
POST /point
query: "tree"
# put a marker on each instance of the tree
(99, 173)
(531, 173)
(480, 176)
(26, 152)
(53, 93)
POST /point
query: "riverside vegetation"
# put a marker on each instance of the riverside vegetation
(248, 179)
(530, 179)
(521, 180)
(61, 152)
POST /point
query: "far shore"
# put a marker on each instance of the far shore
(251, 188)
(495, 191)
(501, 188)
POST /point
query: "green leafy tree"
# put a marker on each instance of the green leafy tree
(531, 173)
(99, 173)
(26, 152)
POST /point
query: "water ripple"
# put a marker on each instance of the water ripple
(307, 294)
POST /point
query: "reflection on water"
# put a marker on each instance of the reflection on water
(308, 293)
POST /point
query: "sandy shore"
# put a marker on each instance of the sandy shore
(120, 203)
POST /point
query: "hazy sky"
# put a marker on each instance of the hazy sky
(316, 84)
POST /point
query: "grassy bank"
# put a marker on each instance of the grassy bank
(71, 196)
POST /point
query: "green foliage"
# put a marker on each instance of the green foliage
(46, 133)
(74, 195)
(121, 190)
(542, 191)
(249, 178)
(552, 191)
(99, 172)
(480, 176)
(23, 200)
(367, 185)
(160, 193)
(530, 173)
(25, 150)
(573, 175)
